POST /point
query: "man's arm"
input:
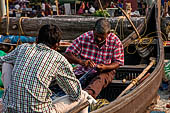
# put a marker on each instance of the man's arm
(73, 59)
(111, 66)
(67, 80)
(10, 57)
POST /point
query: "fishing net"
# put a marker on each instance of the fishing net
(167, 70)
(100, 103)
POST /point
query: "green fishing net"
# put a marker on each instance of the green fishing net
(167, 70)
(2, 53)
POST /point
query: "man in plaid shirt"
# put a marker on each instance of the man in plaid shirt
(98, 48)
(35, 66)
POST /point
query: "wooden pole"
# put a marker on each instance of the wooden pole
(138, 78)
(7, 4)
(2, 8)
(75, 8)
(56, 2)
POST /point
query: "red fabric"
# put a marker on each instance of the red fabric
(80, 11)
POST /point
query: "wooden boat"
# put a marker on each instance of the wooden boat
(140, 96)
(138, 99)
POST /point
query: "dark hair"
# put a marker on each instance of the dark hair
(102, 26)
(49, 35)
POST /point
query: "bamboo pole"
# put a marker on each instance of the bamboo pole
(7, 4)
(56, 2)
(134, 81)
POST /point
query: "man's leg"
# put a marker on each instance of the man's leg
(64, 104)
(99, 82)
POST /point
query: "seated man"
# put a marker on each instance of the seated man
(100, 49)
(35, 66)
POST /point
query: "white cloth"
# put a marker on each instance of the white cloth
(54, 7)
(92, 10)
(43, 6)
(64, 103)
(67, 8)
(17, 6)
(89, 97)
(6, 74)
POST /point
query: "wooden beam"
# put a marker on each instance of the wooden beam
(72, 25)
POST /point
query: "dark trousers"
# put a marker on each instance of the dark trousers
(99, 82)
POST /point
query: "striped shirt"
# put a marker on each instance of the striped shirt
(35, 66)
(86, 48)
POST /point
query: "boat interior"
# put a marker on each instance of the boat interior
(137, 57)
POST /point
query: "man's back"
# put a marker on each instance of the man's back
(34, 68)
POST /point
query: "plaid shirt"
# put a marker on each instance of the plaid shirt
(85, 47)
(34, 68)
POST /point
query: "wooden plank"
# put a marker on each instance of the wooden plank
(134, 66)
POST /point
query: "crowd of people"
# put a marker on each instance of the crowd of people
(42, 9)
(27, 9)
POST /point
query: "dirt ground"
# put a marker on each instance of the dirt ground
(162, 100)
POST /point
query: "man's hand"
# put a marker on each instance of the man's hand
(89, 63)
(101, 67)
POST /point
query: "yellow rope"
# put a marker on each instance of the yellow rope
(163, 39)
(140, 41)
(145, 24)
(115, 29)
(117, 23)
(20, 25)
(21, 32)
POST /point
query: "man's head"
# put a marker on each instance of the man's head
(102, 29)
(50, 35)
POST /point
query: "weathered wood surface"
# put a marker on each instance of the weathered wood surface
(72, 26)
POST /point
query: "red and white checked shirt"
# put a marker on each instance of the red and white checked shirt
(85, 48)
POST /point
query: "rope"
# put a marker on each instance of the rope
(20, 25)
(137, 33)
(141, 40)
(145, 24)
(21, 32)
